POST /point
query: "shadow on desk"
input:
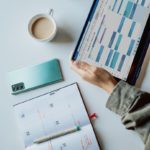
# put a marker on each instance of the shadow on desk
(144, 69)
(63, 36)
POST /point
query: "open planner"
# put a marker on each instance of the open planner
(116, 36)
(53, 112)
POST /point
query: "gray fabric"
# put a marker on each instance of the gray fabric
(133, 106)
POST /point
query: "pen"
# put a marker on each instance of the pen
(56, 135)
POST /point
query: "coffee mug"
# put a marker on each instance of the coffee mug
(42, 27)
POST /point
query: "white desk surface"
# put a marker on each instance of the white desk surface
(18, 49)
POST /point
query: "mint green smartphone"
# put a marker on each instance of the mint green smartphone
(34, 77)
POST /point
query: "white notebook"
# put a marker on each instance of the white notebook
(53, 112)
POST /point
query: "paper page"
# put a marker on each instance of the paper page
(113, 34)
(82, 140)
(55, 112)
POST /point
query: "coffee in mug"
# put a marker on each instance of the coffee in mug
(42, 27)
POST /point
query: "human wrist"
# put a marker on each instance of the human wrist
(109, 85)
(112, 84)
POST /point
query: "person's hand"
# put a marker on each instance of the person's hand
(94, 75)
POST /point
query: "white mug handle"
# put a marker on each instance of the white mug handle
(51, 12)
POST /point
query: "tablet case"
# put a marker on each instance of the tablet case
(140, 54)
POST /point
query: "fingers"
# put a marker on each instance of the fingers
(77, 68)
(85, 69)
(89, 68)
(82, 65)
(78, 65)
(93, 69)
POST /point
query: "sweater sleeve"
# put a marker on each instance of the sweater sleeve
(133, 106)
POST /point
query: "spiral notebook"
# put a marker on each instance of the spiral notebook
(53, 112)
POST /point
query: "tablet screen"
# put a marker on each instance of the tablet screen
(112, 35)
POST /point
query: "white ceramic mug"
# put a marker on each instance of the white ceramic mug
(50, 18)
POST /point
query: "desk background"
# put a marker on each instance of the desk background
(18, 49)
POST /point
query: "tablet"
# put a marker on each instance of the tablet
(116, 37)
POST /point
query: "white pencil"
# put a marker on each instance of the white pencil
(56, 135)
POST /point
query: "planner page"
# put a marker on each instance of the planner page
(54, 112)
(113, 33)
